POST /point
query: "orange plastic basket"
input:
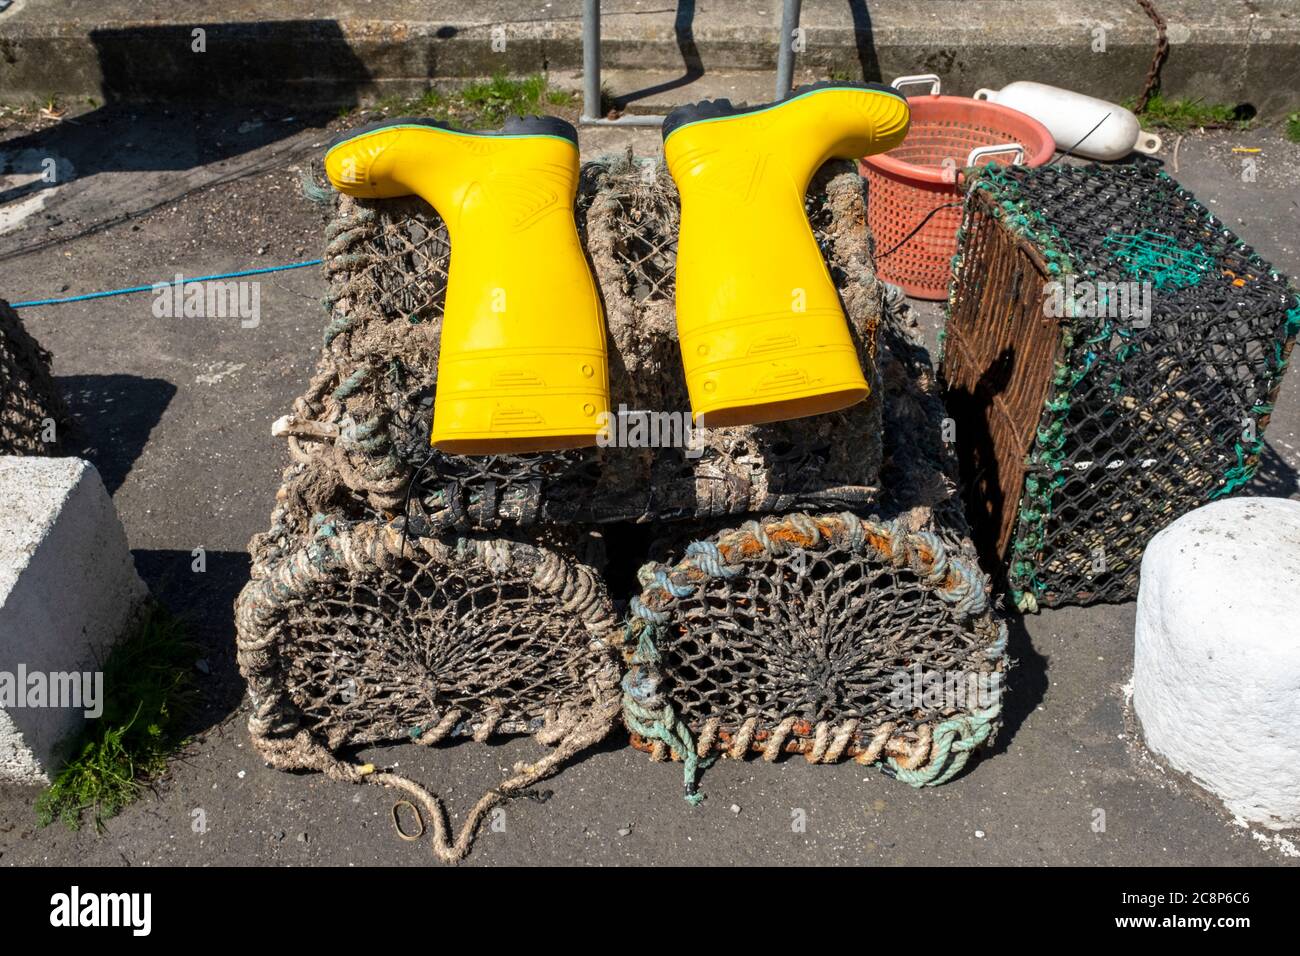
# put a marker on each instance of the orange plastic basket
(948, 133)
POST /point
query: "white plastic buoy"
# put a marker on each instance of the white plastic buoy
(1071, 116)
(1216, 664)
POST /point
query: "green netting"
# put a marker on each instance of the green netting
(1159, 259)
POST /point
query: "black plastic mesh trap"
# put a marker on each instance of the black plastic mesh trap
(1111, 359)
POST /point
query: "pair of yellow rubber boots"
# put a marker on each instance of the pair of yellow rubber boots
(522, 365)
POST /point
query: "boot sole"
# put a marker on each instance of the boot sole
(721, 109)
(517, 127)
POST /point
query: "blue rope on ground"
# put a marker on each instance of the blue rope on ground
(151, 287)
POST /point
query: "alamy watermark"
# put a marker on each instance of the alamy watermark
(133, 911)
(1098, 299)
(72, 690)
(209, 299)
(628, 428)
(940, 689)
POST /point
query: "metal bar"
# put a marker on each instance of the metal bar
(590, 60)
(591, 76)
(785, 51)
(627, 119)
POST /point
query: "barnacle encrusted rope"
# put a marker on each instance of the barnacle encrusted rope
(411, 654)
(693, 688)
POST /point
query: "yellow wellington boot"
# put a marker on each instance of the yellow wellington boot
(522, 362)
(762, 332)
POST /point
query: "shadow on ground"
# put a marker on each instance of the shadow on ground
(694, 65)
(1024, 688)
(204, 600)
(113, 416)
(167, 109)
(1274, 478)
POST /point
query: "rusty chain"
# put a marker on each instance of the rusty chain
(1162, 50)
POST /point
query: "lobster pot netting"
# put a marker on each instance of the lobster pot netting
(359, 635)
(1112, 355)
(369, 408)
(31, 408)
(829, 635)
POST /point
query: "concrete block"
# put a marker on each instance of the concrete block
(68, 591)
(1216, 666)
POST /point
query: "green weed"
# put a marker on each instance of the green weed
(149, 690)
(483, 104)
(1181, 115)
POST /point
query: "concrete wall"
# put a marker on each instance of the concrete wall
(1226, 51)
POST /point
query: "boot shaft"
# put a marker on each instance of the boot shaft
(762, 330)
(522, 365)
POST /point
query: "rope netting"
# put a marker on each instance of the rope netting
(792, 634)
(370, 405)
(362, 635)
(1118, 351)
(32, 412)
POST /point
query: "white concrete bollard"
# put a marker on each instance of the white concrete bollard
(68, 591)
(1216, 665)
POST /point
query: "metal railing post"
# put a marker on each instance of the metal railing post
(590, 60)
(785, 51)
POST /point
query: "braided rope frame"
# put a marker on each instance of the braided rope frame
(372, 549)
(930, 755)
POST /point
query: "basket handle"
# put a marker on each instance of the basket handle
(982, 151)
(930, 78)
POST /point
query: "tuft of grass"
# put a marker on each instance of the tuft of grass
(149, 690)
(483, 104)
(561, 97)
(1292, 128)
(1180, 115)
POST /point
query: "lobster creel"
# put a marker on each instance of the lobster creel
(357, 635)
(816, 634)
(369, 407)
(32, 413)
(1112, 356)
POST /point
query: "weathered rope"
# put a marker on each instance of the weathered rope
(579, 735)
(387, 262)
